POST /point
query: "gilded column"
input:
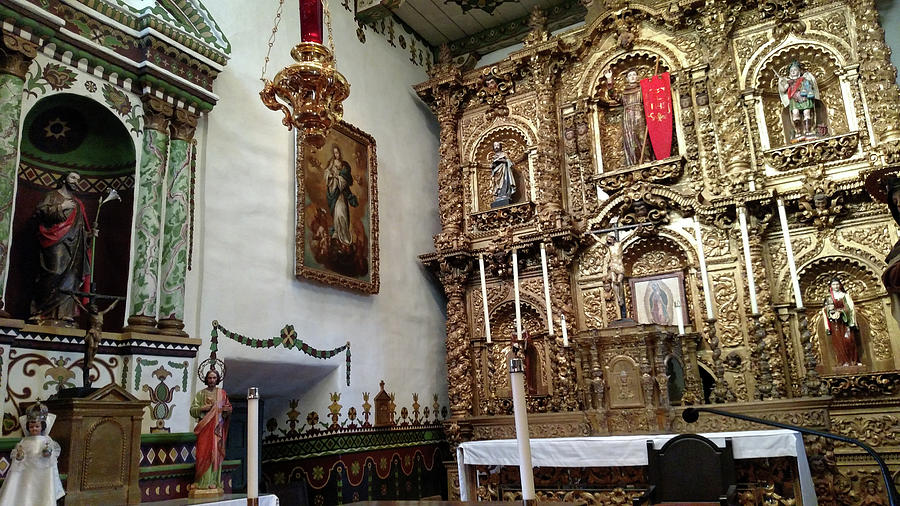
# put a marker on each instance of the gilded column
(450, 183)
(566, 396)
(16, 54)
(770, 347)
(173, 268)
(547, 160)
(145, 261)
(878, 74)
(459, 368)
(725, 97)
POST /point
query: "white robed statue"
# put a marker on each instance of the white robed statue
(33, 476)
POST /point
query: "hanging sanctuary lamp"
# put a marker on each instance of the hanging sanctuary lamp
(311, 91)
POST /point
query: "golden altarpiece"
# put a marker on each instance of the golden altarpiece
(738, 148)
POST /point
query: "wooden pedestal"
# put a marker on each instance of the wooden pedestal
(100, 435)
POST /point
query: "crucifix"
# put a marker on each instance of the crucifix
(95, 326)
(615, 270)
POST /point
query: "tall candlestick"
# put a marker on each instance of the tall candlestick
(526, 472)
(751, 284)
(484, 301)
(679, 318)
(252, 448)
(562, 323)
(546, 290)
(311, 21)
(515, 266)
(792, 267)
(704, 274)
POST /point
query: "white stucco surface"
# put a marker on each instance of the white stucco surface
(244, 257)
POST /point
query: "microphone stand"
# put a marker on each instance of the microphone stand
(691, 415)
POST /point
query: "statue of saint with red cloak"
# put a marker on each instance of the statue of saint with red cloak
(212, 408)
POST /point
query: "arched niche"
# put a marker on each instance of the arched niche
(830, 118)
(503, 332)
(610, 111)
(65, 133)
(515, 144)
(864, 287)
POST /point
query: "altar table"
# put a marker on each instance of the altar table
(613, 451)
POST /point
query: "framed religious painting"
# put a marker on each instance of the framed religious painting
(337, 211)
(654, 298)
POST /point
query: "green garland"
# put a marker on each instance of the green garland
(288, 339)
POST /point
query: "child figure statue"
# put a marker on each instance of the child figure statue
(33, 476)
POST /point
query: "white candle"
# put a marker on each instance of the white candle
(742, 218)
(252, 448)
(562, 323)
(704, 274)
(526, 473)
(546, 290)
(752, 185)
(515, 266)
(484, 301)
(599, 199)
(679, 318)
(792, 267)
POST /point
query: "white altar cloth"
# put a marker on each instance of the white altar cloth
(613, 451)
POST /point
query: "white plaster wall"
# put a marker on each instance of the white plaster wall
(244, 247)
(889, 10)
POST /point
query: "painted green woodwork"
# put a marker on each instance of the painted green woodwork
(106, 148)
(146, 232)
(111, 65)
(175, 233)
(10, 111)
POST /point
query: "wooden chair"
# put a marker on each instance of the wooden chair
(690, 470)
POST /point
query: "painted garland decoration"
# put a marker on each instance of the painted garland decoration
(287, 339)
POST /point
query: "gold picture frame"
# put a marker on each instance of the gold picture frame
(337, 211)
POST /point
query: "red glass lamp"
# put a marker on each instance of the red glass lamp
(311, 91)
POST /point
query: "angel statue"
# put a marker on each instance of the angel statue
(800, 96)
(33, 477)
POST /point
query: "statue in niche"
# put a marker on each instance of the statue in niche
(841, 325)
(63, 233)
(502, 176)
(803, 106)
(891, 276)
(634, 126)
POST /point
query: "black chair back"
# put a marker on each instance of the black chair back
(691, 468)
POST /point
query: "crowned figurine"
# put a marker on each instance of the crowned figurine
(212, 410)
(33, 476)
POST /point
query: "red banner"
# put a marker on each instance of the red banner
(657, 94)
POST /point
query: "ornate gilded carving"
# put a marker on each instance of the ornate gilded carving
(728, 322)
(874, 430)
(493, 92)
(834, 148)
(863, 385)
(654, 172)
(878, 76)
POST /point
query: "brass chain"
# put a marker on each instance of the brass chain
(328, 24)
(278, 12)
